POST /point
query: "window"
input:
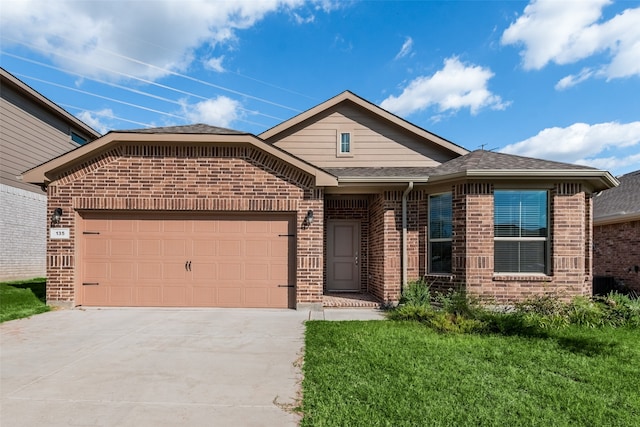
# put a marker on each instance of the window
(521, 231)
(440, 232)
(345, 143)
(78, 139)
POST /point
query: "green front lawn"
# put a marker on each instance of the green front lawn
(384, 373)
(22, 299)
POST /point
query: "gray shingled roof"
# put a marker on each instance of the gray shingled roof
(488, 160)
(188, 129)
(380, 172)
(620, 200)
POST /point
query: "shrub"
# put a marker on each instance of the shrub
(416, 293)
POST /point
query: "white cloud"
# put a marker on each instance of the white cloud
(88, 35)
(220, 111)
(95, 119)
(573, 79)
(455, 86)
(215, 64)
(621, 163)
(582, 143)
(405, 49)
(565, 32)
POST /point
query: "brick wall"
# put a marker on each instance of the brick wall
(617, 252)
(186, 178)
(22, 233)
(473, 257)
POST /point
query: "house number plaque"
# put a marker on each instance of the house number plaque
(59, 233)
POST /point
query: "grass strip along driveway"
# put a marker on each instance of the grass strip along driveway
(22, 299)
(384, 373)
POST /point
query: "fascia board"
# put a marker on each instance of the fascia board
(617, 217)
(604, 178)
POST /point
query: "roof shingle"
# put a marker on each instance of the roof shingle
(620, 200)
(198, 128)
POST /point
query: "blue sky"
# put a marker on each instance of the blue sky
(553, 79)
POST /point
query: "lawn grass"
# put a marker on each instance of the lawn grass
(23, 298)
(384, 373)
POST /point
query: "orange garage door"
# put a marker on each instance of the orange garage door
(187, 261)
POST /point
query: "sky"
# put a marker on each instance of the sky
(551, 79)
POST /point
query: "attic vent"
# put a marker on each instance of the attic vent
(568, 188)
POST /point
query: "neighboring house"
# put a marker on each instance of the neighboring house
(345, 197)
(616, 235)
(32, 130)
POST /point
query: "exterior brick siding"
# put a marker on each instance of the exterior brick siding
(473, 249)
(617, 252)
(186, 178)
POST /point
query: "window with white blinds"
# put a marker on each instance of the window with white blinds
(521, 228)
(440, 232)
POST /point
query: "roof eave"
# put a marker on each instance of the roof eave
(42, 174)
(617, 217)
(599, 179)
(48, 104)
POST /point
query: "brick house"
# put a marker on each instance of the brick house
(345, 197)
(616, 234)
(32, 130)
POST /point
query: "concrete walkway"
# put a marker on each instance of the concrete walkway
(155, 367)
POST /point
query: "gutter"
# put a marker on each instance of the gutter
(404, 235)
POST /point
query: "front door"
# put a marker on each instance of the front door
(343, 256)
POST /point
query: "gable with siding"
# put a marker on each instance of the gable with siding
(378, 138)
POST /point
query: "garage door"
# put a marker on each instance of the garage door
(187, 261)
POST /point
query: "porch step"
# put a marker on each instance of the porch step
(349, 300)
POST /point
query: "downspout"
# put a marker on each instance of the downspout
(404, 235)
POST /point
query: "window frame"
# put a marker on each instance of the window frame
(431, 240)
(546, 239)
(76, 138)
(339, 152)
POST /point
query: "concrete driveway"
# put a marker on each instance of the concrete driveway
(151, 367)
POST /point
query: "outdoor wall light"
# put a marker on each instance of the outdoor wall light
(55, 218)
(308, 219)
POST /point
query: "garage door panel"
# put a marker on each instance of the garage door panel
(257, 248)
(175, 247)
(230, 297)
(172, 271)
(120, 296)
(230, 271)
(257, 272)
(149, 247)
(95, 295)
(204, 271)
(219, 261)
(204, 296)
(175, 296)
(122, 247)
(149, 226)
(204, 248)
(122, 272)
(95, 247)
(279, 272)
(175, 226)
(230, 248)
(149, 296)
(127, 226)
(149, 271)
(95, 271)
